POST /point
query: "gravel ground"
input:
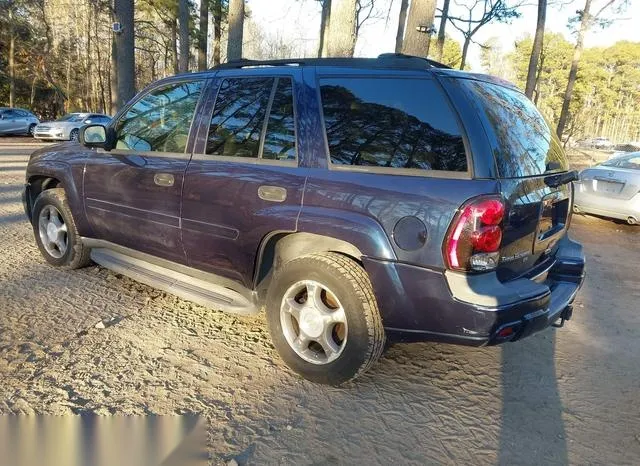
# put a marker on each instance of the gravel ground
(562, 396)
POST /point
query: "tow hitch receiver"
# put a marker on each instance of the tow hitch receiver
(565, 315)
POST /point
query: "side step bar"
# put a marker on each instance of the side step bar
(185, 286)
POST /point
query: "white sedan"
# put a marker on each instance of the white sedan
(68, 127)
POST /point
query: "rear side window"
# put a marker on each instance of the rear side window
(392, 123)
(524, 143)
(251, 110)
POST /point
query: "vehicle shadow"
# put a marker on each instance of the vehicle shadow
(532, 430)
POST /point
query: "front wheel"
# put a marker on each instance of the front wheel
(73, 135)
(324, 319)
(55, 231)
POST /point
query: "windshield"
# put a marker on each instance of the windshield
(524, 145)
(71, 117)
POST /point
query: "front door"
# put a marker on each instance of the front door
(10, 122)
(133, 192)
(243, 181)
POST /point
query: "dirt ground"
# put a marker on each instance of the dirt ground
(562, 396)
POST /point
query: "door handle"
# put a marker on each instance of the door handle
(163, 179)
(272, 193)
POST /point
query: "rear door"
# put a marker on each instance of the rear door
(133, 192)
(243, 182)
(533, 172)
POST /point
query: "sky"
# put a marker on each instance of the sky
(299, 20)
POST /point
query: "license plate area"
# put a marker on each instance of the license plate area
(554, 211)
(604, 186)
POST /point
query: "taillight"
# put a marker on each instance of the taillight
(474, 237)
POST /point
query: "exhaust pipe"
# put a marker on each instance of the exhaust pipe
(632, 220)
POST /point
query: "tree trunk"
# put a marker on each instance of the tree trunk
(341, 37)
(441, 29)
(124, 63)
(421, 13)
(32, 98)
(324, 28)
(538, 40)
(11, 64)
(236, 27)
(183, 23)
(173, 27)
(202, 35)
(584, 25)
(402, 21)
(217, 31)
(465, 49)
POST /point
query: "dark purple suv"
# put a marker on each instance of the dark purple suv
(357, 200)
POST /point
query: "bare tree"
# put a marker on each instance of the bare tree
(479, 13)
(324, 27)
(183, 32)
(402, 21)
(217, 30)
(123, 61)
(203, 32)
(419, 25)
(236, 25)
(538, 40)
(441, 30)
(12, 53)
(342, 28)
(586, 21)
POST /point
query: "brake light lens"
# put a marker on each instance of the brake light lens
(475, 235)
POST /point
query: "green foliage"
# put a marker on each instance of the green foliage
(451, 51)
(606, 97)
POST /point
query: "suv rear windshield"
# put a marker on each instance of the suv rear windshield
(524, 145)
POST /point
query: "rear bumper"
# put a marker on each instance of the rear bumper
(419, 304)
(608, 207)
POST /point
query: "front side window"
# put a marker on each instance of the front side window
(160, 121)
(392, 123)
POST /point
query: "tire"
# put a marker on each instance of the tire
(73, 135)
(346, 286)
(51, 207)
(31, 129)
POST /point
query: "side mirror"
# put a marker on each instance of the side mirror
(93, 136)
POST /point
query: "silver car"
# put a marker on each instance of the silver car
(17, 121)
(611, 189)
(68, 127)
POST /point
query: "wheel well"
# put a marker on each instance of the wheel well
(281, 247)
(36, 185)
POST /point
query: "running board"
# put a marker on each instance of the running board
(185, 286)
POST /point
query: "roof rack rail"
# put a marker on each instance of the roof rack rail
(383, 60)
(435, 64)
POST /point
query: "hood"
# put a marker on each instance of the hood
(62, 124)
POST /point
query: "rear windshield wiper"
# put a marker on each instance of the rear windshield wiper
(561, 178)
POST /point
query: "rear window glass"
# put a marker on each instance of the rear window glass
(524, 143)
(392, 123)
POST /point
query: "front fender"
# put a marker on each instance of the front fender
(67, 167)
(365, 233)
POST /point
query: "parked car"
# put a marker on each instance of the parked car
(611, 189)
(17, 121)
(67, 127)
(358, 200)
(602, 143)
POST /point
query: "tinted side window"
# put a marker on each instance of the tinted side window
(386, 122)
(238, 117)
(525, 145)
(160, 121)
(280, 137)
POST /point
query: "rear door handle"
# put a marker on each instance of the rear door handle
(272, 193)
(163, 179)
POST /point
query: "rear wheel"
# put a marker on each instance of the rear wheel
(55, 231)
(32, 128)
(323, 318)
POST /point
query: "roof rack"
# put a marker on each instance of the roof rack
(385, 60)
